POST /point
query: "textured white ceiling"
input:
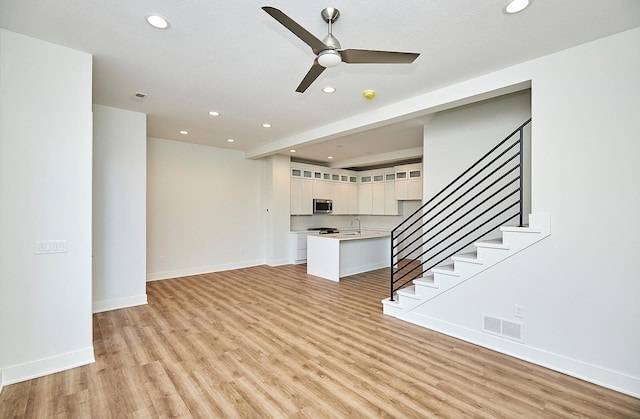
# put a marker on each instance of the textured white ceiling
(232, 57)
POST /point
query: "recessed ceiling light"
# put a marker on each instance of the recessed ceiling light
(292, 151)
(157, 21)
(214, 113)
(516, 6)
(183, 132)
(266, 125)
(330, 157)
(329, 89)
(230, 140)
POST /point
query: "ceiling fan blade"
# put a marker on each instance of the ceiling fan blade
(365, 56)
(313, 73)
(308, 38)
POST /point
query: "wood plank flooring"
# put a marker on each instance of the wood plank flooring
(267, 342)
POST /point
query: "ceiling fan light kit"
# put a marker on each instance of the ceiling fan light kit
(329, 58)
(328, 51)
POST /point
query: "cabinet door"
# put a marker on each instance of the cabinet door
(414, 189)
(390, 201)
(321, 189)
(414, 184)
(296, 196)
(339, 198)
(352, 198)
(378, 199)
(301, 197)
(365, 198)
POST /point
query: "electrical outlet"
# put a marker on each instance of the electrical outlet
(163, 259)
(519, 310)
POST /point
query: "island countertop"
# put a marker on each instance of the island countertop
(333, 256)
(353, 235)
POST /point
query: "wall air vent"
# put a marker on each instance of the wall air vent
(503, 328)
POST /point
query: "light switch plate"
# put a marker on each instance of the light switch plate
(50, 246)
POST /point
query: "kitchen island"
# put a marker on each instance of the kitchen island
(333, 256)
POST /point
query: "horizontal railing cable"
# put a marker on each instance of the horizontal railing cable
(468, 204)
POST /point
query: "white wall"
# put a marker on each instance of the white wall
(45, 190)
(119, 208)
(205, 209)
(458, 137)
(277, 208)
(579, 287)
(455, 139)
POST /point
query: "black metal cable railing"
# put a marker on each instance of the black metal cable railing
(486, 196)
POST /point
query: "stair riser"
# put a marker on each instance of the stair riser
(392, 311)
(464, 270)
(427, 292)
(518, 241)
(491, 256)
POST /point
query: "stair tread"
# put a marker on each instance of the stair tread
(471, 257)
(493, 243)
(523, 229)
(409, 292)
(426, 281)
(445, 270)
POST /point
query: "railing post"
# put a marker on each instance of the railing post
(391, 266)
(521, 174)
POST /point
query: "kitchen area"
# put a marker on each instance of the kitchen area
(341, 220)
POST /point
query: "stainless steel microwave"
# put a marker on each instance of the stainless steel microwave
(322, 206)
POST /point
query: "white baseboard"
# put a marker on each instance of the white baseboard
(604, 377)
(278, 262)
(107, 305)
(156, 276)
(1, 382)
(46, 366)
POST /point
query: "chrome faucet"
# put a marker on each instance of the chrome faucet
(358, 220)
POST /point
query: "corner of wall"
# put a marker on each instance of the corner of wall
(118, 303)
(46, 366)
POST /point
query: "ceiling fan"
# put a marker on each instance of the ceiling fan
(328, 51)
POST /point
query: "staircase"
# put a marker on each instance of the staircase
(471, 224)
(464, 266)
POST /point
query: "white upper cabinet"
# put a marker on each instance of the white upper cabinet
(371, 192)
(321, 185)
(344, 193)
(376, 192)
(408, 182)
(301, 191)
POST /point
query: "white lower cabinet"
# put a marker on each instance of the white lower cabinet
(299, 246)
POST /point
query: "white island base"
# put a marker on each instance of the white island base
(333, 256)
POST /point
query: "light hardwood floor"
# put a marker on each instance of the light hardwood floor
(273, 342)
